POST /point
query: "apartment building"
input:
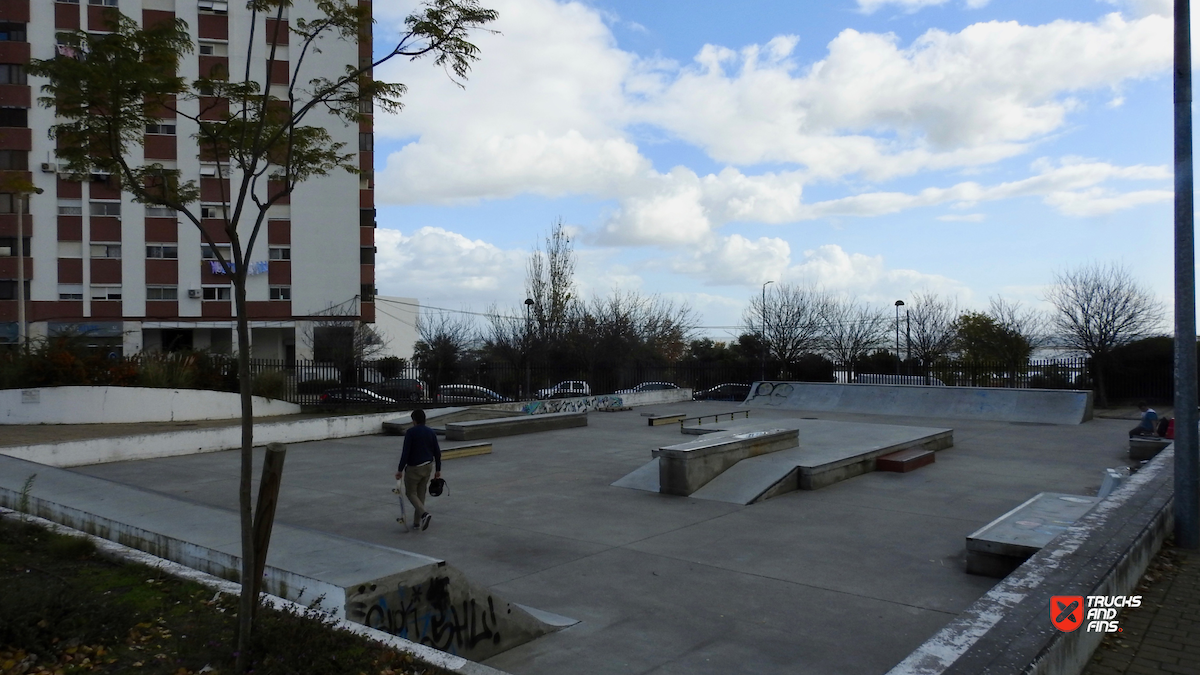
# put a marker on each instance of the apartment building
(134, 277)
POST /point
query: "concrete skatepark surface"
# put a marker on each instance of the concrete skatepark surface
(846, 579)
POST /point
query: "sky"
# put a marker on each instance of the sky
(697, 149)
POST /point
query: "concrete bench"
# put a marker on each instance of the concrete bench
(1142, 448)
(686, 467)
(999, 547)
(665, 418)
(513, 426)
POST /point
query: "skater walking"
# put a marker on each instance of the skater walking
(419, 458)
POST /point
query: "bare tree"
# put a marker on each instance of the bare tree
(853, 330)
(339, 336)
(793, 322)
(446, 340)
(930, 326)
(630, 326)
(1099, 307)
(1029, 323)
(550, 283)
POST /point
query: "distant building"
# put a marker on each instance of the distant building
(136, 277)
(396, 322)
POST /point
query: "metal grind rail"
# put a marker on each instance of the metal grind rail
(716, 417)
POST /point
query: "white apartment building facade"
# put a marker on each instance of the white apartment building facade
(133, 277)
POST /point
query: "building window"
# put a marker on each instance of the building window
(366, 255)
(162, 293)
(366, 106)
(215, 6)
(216, 293)
(8, 203)
(164, 251)
(12, 73)
(214, 49)
(106, 292)
(366, 293)
(8, 247)
(106, 3)
(70, 292)
(366, 217)
(160, 212)
(281, 292)
(366, 141)
(161, 129)
(105, 208)
(106, 250)
(68, 2)
(207, 253)
(212, 212)
(14, 160)
(12, 32)
(279, 253)
(8, 289)
(70, 207)
(14, 117)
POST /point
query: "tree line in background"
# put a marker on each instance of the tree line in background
(794, 332)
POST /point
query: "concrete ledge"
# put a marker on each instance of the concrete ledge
(1001, 546)
(192, 441)
(1105, 552)
(1146, 447)
(116, 405)
(1048, 406)
(686, 467)
(662, 420)
(470, 449)
(513, 426)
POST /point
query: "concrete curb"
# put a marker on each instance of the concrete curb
(439, 661)
(1106, 552)
(192, 441)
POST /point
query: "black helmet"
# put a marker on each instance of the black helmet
(436, 486)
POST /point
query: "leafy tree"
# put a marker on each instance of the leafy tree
(120, 81)
(1099, 307)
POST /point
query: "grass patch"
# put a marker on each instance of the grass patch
(64, 609)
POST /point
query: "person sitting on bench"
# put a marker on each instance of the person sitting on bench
(1149, 421)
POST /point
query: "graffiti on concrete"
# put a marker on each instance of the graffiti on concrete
(772, 392)
(425, 613)
(583, 404)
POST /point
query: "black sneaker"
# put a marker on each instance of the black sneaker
(425, 518)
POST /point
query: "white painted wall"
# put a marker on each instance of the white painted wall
(396, 320)
(114, 405)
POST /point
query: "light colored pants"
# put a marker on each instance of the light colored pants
(416, 484)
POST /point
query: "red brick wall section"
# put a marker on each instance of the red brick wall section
(216, 309)
(154, 17)
(106, 270)
(69, 189)
(280, 37)
(66, 16)
(106, 228)
(14, 10)
(106, 309)
(162, 309)
(159, 146)
(162, 230)
(212, 26)
(14, 52)
(8, 267)
(70, 228)
(162, 272)
(60, 310)
(16, 138)
(70, 270)
(279, 273)
(97, 18)
(278, 309)
(279, 232)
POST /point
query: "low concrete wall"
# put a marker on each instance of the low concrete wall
(513, 426)
(1106, 552)
(686, 467)
(1046, 406)
(116, 405)
(192, 441)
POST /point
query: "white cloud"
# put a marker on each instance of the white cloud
(871, 6)
(435, 263)
(964, 218)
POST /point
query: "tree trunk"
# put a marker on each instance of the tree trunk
(248, 599)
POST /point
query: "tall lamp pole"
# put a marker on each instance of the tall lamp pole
(763, 374)
(1187, 456)
(21, 197)
(899, 304)
(528, 306)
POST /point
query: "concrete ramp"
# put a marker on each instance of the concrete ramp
(416, 597)
(829, 452)
(1039, 406)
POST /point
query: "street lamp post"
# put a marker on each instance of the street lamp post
(528, 307)
(763, 373)
(899, 304)
(21, 198)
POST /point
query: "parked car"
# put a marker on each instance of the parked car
(354, 396)
(649, 386)
(402, 389)
(730, 391)
(468, 393)
(566, 389)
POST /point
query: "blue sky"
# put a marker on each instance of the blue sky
(876, 148)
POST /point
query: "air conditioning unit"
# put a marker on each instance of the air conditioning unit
(49, 167)
(194, 293)
(208, 170)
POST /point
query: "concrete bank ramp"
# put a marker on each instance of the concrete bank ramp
(439, 417)
(1044, 406)
(829, 452)
(415, 597)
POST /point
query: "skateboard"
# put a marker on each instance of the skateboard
(399, 492)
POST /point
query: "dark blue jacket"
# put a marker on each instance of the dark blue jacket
(420, 446)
